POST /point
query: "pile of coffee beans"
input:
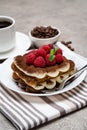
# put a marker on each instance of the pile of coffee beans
(44, 32)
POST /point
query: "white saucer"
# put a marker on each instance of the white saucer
(22, 44)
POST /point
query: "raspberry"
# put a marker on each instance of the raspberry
(59, 58)
(46, 48)
(39, 62)
(30, 58)
(51, 46)
(48, 62)
(59, 51)
(36, 53)
(41, 52)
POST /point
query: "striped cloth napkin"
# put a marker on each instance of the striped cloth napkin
(26, 112)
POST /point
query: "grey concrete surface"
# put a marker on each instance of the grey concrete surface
(70, 16)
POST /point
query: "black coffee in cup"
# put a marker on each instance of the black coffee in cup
(4, 24)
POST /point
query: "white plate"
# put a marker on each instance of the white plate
(22, 44)
(8, 82)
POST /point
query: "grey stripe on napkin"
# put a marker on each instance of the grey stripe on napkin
(26, 112)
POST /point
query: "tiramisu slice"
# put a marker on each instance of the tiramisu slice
(43, 68)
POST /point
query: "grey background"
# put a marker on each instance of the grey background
(70, 16)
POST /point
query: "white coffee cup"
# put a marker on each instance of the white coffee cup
(7, 34)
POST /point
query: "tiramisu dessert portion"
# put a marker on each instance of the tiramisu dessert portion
(43, 68)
